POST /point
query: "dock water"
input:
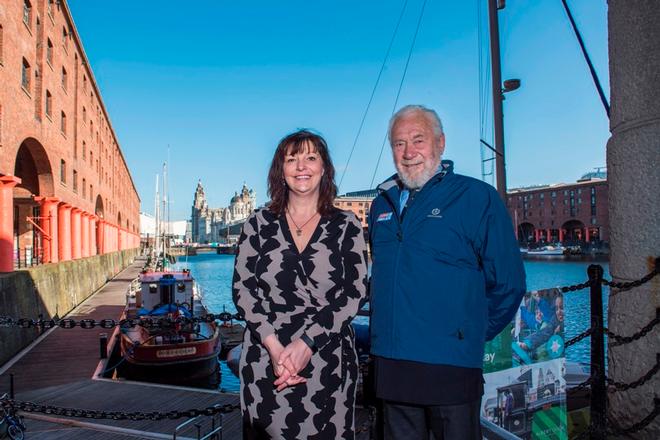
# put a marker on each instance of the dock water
(58, 369)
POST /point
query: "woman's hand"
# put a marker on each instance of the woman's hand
(283, 370)
(294, 358)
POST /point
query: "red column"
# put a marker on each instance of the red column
(48, 224)
(76, 234)
(586, 234)
(548, 235)
(64, 231)
(92, 234)
(100, 237)
(84, 229)
(561, 235)
(537, 235)
(7, 183)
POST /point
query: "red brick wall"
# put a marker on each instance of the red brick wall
(23, 114)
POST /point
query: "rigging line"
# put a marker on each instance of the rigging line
(398, 94)
(373, 92)
(592, 70)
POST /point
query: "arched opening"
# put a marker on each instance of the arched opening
(98, 209)
(33, 168)
(525, 233)
(573, 232)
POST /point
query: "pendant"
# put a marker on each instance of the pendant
(298, 232)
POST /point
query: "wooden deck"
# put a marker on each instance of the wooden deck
(58, 369)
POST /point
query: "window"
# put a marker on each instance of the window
(63, 123)
(63, 171)
(64, 38)
(1, 44)
(64, 78)
(49, 52)
(50, 8)
(91, 192)
(75, 181)
(84, 114)
(26, 74)
(49, 104)
(84, 150)
(27, 13)
(84, 82)
(84, 188)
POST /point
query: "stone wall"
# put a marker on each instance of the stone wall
(52, 290)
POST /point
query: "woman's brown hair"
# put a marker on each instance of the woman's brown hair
(294, 143)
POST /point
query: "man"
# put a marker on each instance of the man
(446, 277)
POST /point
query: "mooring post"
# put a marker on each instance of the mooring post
(598, 410)
(103, 345)
(11, 386)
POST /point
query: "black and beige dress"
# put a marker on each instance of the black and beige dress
(286, 292)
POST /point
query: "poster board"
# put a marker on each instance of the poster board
(524, 373)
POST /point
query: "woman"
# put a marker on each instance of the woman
(299, 280)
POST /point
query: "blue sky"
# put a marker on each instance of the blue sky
(221, 82)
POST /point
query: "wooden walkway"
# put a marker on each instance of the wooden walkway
(58, 371)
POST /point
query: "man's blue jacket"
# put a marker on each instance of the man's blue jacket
(448, 277)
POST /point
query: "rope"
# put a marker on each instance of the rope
(373, 92)
(398, 93)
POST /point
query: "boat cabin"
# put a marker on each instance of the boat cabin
(163, 288)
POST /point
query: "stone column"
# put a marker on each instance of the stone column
(84, 229)
(49, 231)
(633, 155)
(64, 231)
(76, 234)
(100, 237)
(7, 184)
(561, 235)
(92, 235)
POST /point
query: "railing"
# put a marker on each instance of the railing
(600, 426)
(28, 257)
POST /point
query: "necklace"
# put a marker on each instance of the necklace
(299, 228)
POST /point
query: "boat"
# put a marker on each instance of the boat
(547, 251)
(183, 350)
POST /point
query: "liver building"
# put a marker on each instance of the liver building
(207, 223)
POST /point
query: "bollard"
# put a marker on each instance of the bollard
(11, 386)
(598, 409)
(103, 345)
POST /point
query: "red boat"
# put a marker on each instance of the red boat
(175, 353)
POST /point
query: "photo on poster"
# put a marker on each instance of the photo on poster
(538, 331)
(526, 402)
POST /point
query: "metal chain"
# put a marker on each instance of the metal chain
(579, 337)
(620, 340)
(150, 323)
(576, 287)
(619, 386)
(582, 385)
(32, 407)
(630, 284)
(616, 429)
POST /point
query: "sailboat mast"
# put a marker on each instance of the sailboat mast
(496, 75)
(157, 221)
(164, 210)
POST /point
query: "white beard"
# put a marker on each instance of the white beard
(428, 171)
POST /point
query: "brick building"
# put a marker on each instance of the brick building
(359, 202)
(569, 213)
(65, 189)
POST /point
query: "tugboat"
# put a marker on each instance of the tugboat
(183, 352)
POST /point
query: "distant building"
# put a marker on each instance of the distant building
(570, 213)
(357, 201)
(176, 230)
(207, 224)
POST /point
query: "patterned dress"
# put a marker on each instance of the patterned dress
(317, 292)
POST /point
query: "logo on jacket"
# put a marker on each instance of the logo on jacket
(385, 216)
(435, 213)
